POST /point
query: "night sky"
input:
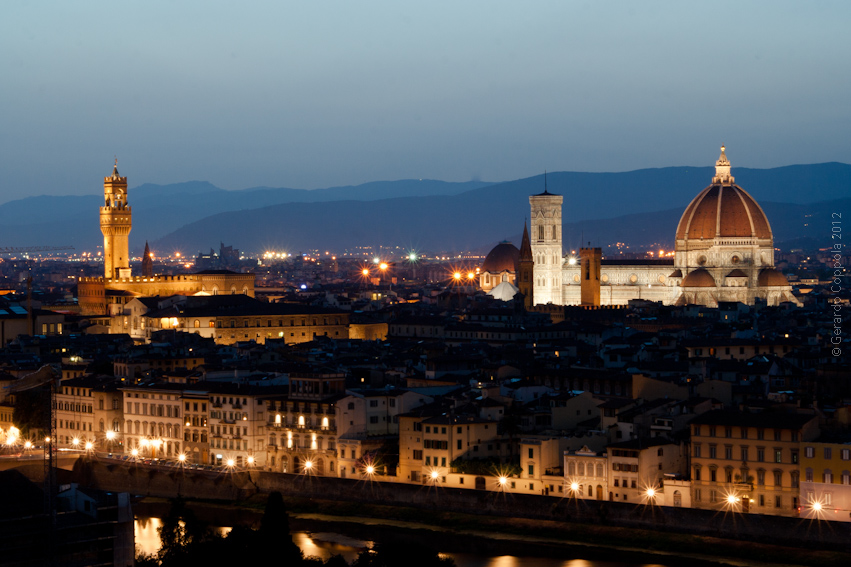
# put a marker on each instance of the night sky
(319, 94)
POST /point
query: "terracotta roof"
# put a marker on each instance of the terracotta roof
(771, 277)
(723, 211)
(737, 273)
(698, 278)
(504, 257)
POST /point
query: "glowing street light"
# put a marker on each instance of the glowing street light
(75, 442)
(651, 492)
(308, 465)
(89, 445)
(231, 463)
(457, 276)
(503, 480)
(250, 460)
(110, 435)
(28, 445)
(817, 507)
(134, 452)
(370, 470)
(574, 487)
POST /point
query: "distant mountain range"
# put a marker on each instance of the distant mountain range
(427, 215)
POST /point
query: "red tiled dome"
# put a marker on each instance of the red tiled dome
(505, 257)
(771, 277)
(698, 278)
(723, 211)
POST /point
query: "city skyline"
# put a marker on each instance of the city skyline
(307, 97)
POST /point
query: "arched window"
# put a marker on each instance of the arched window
(571, 468)
(197, 324)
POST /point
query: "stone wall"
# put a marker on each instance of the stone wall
(239, 485)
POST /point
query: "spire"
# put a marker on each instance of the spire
(545, 183)
(525, 245)
(147, 263)
(115, 169)
(722, 170)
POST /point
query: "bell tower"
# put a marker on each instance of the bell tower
(115, 224)
(546, 246)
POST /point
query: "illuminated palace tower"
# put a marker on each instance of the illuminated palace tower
(546, 247)
(115, 224)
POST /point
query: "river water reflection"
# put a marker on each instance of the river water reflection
(326, 544)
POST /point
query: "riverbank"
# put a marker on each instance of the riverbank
(506, 536)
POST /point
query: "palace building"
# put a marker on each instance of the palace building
(724, 252)
(108, 295)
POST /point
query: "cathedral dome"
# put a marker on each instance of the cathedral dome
(505, 257)
(723, 210)
(771, 277)
(699, 278)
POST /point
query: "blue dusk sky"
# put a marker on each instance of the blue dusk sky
(319, 94)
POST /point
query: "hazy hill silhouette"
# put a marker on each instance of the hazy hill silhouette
(196, 215)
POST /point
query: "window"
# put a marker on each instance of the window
(531, 470)
(531, 453)
(778, 456)
(744, 453)
(827, 477)
(760, 477)
(713, 474)
(778, 501)
(808, 475)
(373, 419)
(778, 478)
(728, 432)
(760, 433)
(697, 451)
(418, 455)
(728, 453)
(696, 473)
(373, 403)
(828, 453)
(712, 452)
(846, 477)
(777, 434)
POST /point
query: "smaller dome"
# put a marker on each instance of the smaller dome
(678, 273)
(504, 291)
(698, 278)
(505, 257)
(737, 273)
(771, 277)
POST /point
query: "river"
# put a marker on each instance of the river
(326, 544)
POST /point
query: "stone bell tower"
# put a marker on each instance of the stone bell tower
(115, 224)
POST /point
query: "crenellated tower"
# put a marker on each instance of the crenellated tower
(115, 224)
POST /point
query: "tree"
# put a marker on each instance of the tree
(274, 534)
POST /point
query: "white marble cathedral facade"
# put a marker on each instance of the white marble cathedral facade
(724, 252)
